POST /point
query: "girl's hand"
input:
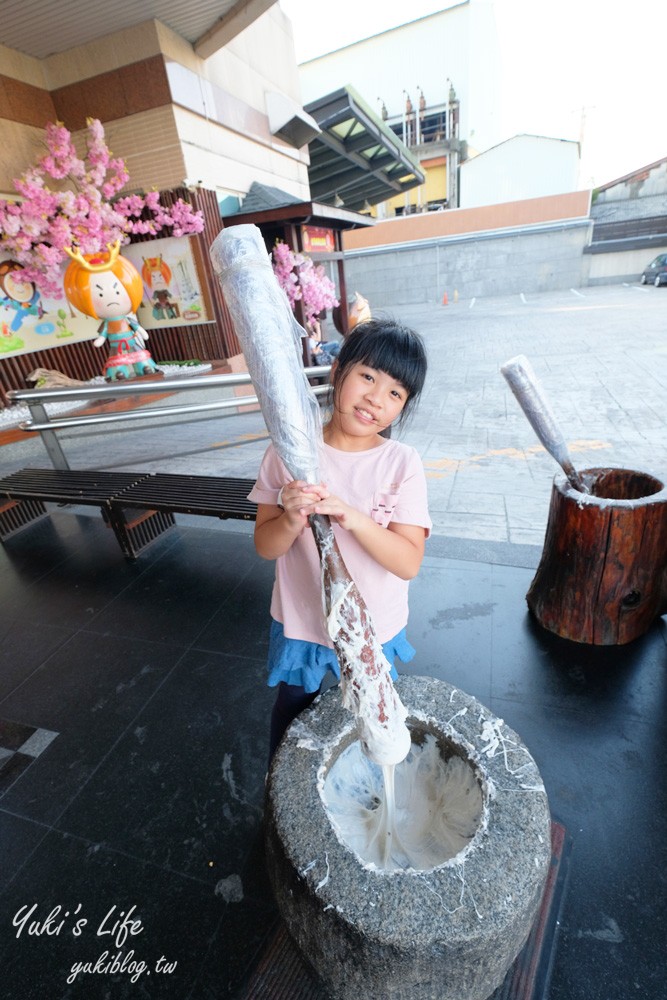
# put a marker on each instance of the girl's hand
(339, 511)
(298, 499)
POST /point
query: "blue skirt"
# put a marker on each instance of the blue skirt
(306, 664)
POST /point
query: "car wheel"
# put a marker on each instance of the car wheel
(642, 280)
(657, 281)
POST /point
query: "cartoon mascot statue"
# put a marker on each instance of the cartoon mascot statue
(107, 286)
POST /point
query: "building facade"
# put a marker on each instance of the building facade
(172, 115)
(629, 224)
(435, 81)
(525, 166)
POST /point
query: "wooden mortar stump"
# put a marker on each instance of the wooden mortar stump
(602, 578)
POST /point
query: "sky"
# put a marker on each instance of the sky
(589, 70)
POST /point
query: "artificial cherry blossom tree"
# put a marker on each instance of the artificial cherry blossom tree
(304, 281)
(83, 209)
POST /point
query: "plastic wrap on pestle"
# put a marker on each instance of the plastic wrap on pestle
(270, 339)
(529, 394)
(526, 388)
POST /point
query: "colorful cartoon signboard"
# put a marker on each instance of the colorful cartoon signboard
(172, 290)
(29, 321)
(172, 296)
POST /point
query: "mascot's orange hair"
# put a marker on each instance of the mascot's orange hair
(80, 276)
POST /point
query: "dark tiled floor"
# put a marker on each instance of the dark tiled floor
(149, 800)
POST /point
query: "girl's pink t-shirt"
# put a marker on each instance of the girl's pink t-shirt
(388, 484)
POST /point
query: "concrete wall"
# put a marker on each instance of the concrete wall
(459, 221)
(537, 259)
(623, 209)
(524, 246)
(627, 265)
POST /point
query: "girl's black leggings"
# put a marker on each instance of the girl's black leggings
(290, 700)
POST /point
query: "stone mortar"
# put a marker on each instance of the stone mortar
(448, 933)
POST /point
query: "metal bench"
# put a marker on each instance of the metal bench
(23, 494)
(137, 506)
(144, 509)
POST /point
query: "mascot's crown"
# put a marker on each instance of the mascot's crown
(100, 261)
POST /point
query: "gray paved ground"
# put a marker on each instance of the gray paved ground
(600, 353)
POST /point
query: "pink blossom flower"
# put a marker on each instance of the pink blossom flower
(59, 233)
(132, 205)
(302, 280)
(60, 159)
(152, 200)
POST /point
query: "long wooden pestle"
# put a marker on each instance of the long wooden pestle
(531, 398)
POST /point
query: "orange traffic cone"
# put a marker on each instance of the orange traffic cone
(445, 300)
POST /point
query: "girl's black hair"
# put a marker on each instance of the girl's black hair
(389, 347)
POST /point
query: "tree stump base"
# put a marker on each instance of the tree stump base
(602, 578)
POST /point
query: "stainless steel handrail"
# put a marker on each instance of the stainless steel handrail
(41, 423)
(161, 411)
(132, 388)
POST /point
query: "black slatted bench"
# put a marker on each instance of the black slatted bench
(137, 506)
(23, 494)
(139, 509)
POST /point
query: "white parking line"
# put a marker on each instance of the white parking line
(575, 292)
(472, 302)
(523, 299)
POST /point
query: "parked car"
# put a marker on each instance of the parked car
(656, 272)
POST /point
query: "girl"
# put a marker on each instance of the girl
(374, 491)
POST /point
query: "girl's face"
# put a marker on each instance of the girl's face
(367, 401)
(108, 295)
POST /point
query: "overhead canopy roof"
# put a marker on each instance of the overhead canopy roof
(356, 160)
(263, 205)
(41, 28)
